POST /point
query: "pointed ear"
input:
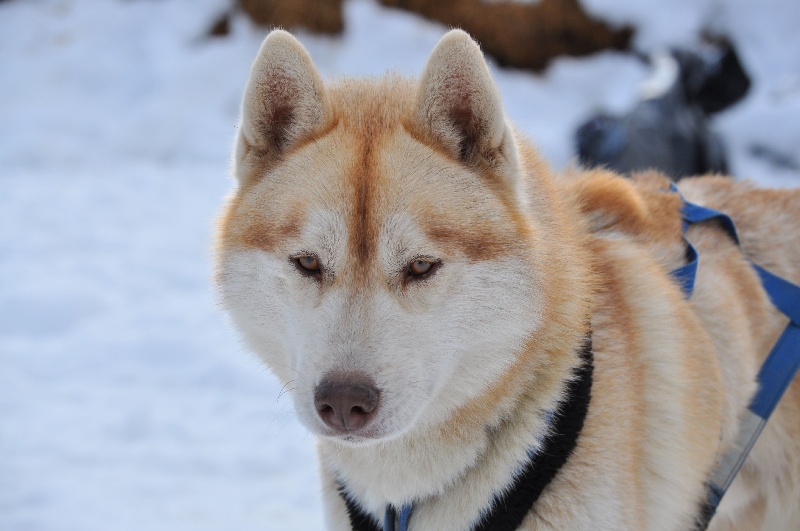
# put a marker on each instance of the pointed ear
(283, 102)
(460, 106)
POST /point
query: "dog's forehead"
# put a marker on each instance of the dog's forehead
(378, 182)
(392, 192)
(453, 206)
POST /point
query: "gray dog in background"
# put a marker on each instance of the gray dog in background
(669, 128)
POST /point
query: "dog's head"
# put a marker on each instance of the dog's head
(378, 252)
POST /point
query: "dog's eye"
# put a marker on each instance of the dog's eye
(421, 268)
(308, 264)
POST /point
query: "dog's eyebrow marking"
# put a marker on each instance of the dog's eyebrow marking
(247, 225)
(268, 236)
(477, 244)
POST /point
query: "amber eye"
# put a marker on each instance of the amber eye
(308, 264)
(421, 268)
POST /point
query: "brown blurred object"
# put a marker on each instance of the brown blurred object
(524, 35)
(220, 27)
(320, 16)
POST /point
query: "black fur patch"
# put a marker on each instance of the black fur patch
(359, 519)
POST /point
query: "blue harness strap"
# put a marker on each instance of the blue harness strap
(784, 360)
(391, 518)
(691, 214)
(775, 374)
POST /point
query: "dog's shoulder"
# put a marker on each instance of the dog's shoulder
(641, 209)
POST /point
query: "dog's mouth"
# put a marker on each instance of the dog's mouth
(378, 430)
(385, 425)
(355, 438)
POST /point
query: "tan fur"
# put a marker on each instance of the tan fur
(368, 174)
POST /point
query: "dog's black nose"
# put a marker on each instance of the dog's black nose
(346, 401)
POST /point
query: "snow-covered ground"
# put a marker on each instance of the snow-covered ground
(126, 402)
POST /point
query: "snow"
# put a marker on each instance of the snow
(126, 401)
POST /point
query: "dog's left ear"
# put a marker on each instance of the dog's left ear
(460, 106)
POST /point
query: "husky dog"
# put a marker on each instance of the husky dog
(480, 344)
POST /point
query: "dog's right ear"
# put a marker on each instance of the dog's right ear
(284, 101)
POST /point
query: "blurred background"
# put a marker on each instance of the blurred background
(126, 401)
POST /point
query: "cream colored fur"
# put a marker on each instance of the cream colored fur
(369, 175)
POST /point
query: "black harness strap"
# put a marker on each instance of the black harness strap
(359, 519)
(509, 509)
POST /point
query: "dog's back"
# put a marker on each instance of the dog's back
(765, 494)
(730, 301)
